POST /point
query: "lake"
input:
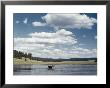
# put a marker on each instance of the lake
(57, 70)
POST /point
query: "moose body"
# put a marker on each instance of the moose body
(50, 67)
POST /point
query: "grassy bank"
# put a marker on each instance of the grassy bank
(22, 61)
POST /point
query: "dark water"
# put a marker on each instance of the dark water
(58, 70)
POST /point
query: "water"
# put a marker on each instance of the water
(58, 70)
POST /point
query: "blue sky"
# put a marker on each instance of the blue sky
(56, 35)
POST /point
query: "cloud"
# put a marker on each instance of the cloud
(59, 44)
(81, 44)
(59, 33)
(43, 51)
(60, 37)
(45, 44)
(85, 53)
(17, 22)
(69, 20)
(38, 23)
(57, 53)
(25, 21)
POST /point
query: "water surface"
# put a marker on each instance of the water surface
(58, 70)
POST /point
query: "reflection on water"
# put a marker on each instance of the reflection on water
(57, 70)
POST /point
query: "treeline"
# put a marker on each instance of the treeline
(60, 59)
(82, 59)
(19, 54)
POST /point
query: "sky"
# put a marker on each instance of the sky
(56, 35)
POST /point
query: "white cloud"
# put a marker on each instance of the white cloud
(38, 23)
(83, 52)
(69, 20)
(48, 52)
(60, 37)
(17, 22)
(60, 44)
(59, 33)
(63, 32)
(25, 21)
(81, 44)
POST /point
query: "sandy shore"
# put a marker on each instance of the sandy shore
(20, 61)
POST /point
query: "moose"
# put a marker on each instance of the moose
(50, 67)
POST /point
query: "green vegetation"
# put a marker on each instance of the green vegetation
(19, 54)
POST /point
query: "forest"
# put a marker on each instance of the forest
(19, 54)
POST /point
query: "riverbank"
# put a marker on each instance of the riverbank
(22, 61)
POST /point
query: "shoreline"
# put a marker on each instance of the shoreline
(34, 62)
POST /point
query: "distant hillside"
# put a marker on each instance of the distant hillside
(71, 59)
(84, 59)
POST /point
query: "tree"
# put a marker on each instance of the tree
(19, 54)
(30, 56)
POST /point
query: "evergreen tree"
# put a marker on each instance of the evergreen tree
(19, 54)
